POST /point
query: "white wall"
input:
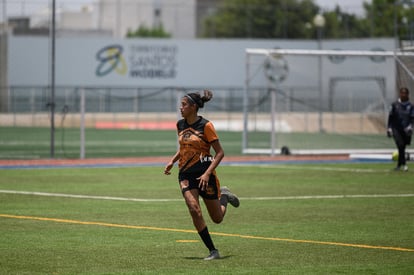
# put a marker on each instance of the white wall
(178, 63)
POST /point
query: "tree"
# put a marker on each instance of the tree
(261, 19)
(380, 18)
(389, 18)
(340, 24)
(293, 19)
(143, 31)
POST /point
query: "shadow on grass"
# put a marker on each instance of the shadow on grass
(202, 258)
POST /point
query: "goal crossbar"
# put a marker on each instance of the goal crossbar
(397, 54)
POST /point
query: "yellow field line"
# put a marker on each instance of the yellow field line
(317, 242)
(97, 223)
(212, 233)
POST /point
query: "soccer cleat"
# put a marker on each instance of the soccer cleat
(232, 198)
(401, 168)
(214, 254)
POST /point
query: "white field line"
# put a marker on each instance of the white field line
(315, 197)
(333, 169)
(84, 196)
(332, 197)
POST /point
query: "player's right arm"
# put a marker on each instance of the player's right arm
(170, 164)
(391, 121)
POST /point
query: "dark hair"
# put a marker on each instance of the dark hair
(405, 89)
(199, 100)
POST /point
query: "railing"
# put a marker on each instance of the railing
(109, 110)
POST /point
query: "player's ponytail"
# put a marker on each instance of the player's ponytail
(199, 100)
(206, 97)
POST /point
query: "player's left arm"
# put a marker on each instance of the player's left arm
(412, 114)
(205, 177)
(409, 129)
(217, 158)
(211, 136)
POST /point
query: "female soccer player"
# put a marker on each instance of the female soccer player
(400, 125)
(197, 176)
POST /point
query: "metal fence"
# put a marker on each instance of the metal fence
(33, 101)
(110, 116)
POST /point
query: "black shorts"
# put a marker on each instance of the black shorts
(213, 189)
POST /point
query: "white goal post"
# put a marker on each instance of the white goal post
(272, 81)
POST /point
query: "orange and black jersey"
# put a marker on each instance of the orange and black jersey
(195, 142)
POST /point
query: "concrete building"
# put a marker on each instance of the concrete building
(78, 20)
(178, 17)
(182, 19)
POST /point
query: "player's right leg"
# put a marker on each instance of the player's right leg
(191, 197)
(400, 142)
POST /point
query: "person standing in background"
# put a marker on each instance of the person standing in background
(400, 125)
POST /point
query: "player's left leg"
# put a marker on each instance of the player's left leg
(215, 209)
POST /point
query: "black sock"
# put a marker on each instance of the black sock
(205, 236)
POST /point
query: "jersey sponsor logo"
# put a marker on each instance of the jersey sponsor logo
(206, 158)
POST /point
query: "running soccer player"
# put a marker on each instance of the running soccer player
(400, 126)
(197, 176)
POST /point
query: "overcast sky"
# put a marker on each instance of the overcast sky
(351, 6)
(26, 7)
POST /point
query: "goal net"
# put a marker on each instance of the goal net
(321, 101)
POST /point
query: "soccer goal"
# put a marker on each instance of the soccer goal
(321, 101)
